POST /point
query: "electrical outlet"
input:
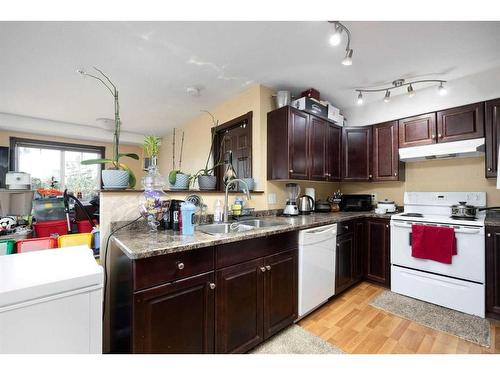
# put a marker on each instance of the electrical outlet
(374, 198)
(271, 198)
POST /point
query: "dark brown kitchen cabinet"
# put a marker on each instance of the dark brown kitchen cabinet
(417, 130)
(318, 149)
(492, 136)
(334, 153)
(493, 272)
(255, 299)
(460, 123)
(377, 267)
(359, 249)
(239, 316)
(177, 317)
(299, 150)
(386, 164)
(356, 153)
(344, 262)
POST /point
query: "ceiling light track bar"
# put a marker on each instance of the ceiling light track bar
(401, 84)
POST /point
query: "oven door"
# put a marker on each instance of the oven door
(468, 264)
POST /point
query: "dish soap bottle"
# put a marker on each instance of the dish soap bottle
(218, 212)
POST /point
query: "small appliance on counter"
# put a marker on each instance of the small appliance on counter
(356, 202)
(322, 206)
(385, 206)
(18, 181)
(306, 205)
(293, 191)
(312, 193)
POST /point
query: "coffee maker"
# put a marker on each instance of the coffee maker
(293, 191)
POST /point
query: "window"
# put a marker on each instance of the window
(60, 162)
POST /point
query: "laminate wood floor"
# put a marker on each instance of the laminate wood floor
(351, 324)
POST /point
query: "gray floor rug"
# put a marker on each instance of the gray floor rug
(296, 340)
(468, 327)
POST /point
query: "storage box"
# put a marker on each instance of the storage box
(7, 247)
(311, 106)
(49, 228)
(35, 244)
(77, 239)
(333, 113)
(311, 93)
(84, 226)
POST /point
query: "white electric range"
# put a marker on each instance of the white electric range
(459, 285)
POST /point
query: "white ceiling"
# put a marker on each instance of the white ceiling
(153, 63)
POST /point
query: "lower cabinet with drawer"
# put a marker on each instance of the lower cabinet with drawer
(223, 299)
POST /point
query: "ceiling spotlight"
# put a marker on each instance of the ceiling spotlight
(348, 58)
(441, 89)
(411, 93)
(360, 99)
(336, 37)
(387, 97)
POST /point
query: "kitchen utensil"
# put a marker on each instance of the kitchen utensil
(462, 210)
(322, 206)
(306, 204)
(293, 191)
(388, 205)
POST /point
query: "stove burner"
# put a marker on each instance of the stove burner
(412, 214)
(463, 218)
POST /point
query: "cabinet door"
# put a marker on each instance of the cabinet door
(280, 291)
(298, 143)
(493, 272)
(457, 124)
(417, 130)
(344, 262)
(318, 131)
(378, 251)
(239, 307)
(175, 318)
(386, 163)
(359, 249)
(492, 127)
(334, 153)
(356, 150)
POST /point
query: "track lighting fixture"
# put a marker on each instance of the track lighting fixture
(336, 38)
(400, 83)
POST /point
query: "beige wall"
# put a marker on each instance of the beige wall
(258, 99)
(465, 174)
(135, 165)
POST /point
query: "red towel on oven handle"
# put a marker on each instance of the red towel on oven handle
(433, 243)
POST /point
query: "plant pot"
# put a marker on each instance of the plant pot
(181, 182)
(207, 182)
(250, 183)
(115, 179)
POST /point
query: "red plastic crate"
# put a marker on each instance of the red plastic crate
(35, 244)
(51, 227)
(84, 226)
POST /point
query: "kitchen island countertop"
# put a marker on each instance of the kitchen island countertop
(137, 241)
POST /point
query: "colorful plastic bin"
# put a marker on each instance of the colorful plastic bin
(50, 228)
(36, 244)
(84, 226)
(7, 247)
(77, 239)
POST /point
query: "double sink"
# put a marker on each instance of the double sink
(237, 226)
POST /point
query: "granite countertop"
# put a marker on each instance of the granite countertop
(492, 218)
(137, 241)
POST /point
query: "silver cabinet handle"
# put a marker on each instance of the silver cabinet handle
(268, 268)
(433, 136)
(291, 171)
(338, 245)
(263, 269)
(387, 225)
(211, 286)
(489, 234)
(370, 176)
(440, 135)
(180, 265)
(489, 169)
(395, 174)
(346, 227)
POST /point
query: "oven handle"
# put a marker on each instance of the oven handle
(457, 230)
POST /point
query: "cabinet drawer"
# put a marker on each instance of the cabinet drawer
(345, 227)
(161, 269)
(237, 252)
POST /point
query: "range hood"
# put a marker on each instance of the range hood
(459, 149)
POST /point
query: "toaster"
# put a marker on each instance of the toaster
(18, 181)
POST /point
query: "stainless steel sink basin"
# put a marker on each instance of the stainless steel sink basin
(258, 223)
(224, 228)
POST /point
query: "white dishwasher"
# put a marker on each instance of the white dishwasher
(317, 252)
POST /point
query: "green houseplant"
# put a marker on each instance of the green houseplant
(151, 149)
(118, 175)
(178, 180)
(205, 176)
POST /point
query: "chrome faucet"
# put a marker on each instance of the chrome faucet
(226, 198)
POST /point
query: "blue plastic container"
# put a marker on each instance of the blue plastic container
(187, 213)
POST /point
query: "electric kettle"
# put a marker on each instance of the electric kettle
(306, 204)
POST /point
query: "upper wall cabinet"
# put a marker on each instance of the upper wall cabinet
(458, 124)
(356, 150)
(492, 133)
(301, 146)
(386, 164)
(417, 130)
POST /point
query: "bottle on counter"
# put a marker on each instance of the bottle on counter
(218, 211)
(175, 210)
(187, 218)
